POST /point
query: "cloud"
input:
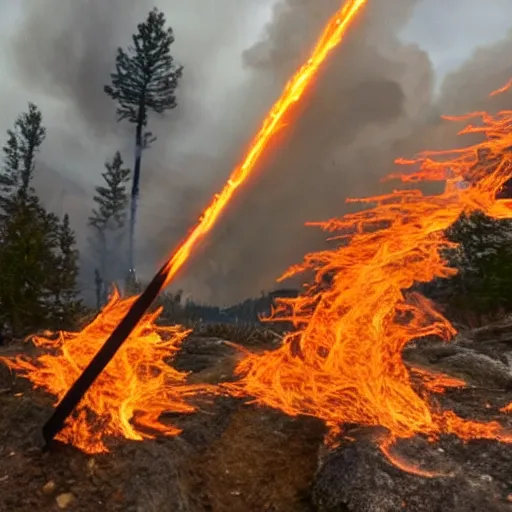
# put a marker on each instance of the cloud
(60, 56)
(337, 143)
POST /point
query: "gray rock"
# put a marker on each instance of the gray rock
(357, 477)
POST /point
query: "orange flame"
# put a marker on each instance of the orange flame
(332, 35)
(437, 382)
(344, 363)
(130, 395)
(507, 408)
(401, 463)
(503, 89)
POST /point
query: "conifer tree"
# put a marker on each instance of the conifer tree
(145, 81)
(66, 306)
(23, 143)
(29, 235)
(108, 218)
(484, 261)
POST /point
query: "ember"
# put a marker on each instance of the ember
(350, 335)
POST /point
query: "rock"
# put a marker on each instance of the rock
(478, 369)
(64, 500)
(357, 477)
(198, 354)
(49, 488)
(475, 367)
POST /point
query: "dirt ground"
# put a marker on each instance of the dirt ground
(230, 457)
(234, 457)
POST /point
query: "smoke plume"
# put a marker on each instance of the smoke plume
(374, 101)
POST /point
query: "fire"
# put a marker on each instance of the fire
(437, 382)
(129, 397)
(331, 37)
(401, 463)
(507, 408)
(503, 89)
(343, 363)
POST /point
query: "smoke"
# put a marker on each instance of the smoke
(60, 57)
(338, 144)
(375, 100)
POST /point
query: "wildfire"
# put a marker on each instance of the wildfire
(131, 394)
(344, 362)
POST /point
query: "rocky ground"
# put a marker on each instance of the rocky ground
(233, 457)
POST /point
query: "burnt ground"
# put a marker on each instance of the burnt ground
(235, 457)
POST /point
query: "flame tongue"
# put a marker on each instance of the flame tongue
(344, 364)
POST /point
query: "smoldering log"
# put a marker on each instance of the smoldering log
(75, 393)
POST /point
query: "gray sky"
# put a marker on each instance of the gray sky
(448, 30)
(451, 30)
(58, 55)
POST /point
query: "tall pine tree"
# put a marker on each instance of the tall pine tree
(23, 143)
(108, 219)
(145, 80)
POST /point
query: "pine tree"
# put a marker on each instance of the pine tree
(27, 231)
(108, 218)
(145, 80)
(484, 261)
(112, 199)
(39, 265)
(23, 143)
(66, 306)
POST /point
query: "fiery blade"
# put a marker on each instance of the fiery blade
(130, 395)
(332, 35)
(344, 363)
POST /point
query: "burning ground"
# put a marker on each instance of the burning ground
(233, 456)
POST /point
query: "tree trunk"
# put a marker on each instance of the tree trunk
(135, 195)
(98, 285)
(104, 270)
